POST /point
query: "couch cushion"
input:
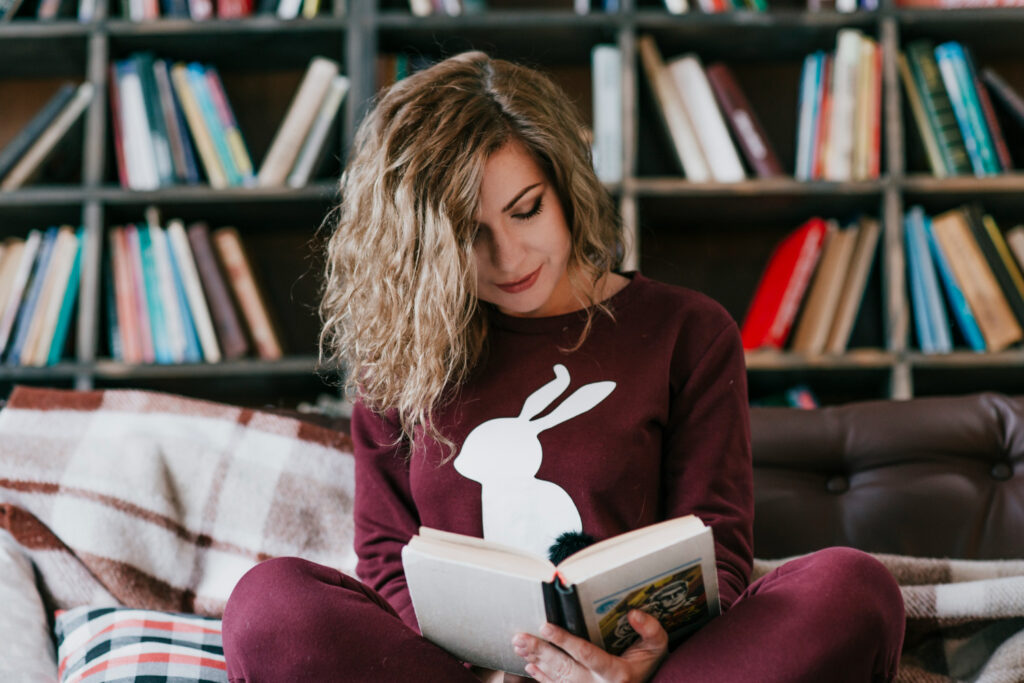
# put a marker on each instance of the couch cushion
(119, 644)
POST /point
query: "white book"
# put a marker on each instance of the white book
(839, 160)
(312, 146)
(168, 294)
(44, 320)
(670, 104)
(708, 122)
(421, 8)
(677, 6)
(28, 259)
(606, 73)
(581, 6)
(9, 268)
(288, 9)
(472, 596)
(846, 5)
(45, 143)
(140, 156)
(297, 121)
(452, 8)
(178, 240)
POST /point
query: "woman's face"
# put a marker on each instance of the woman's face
(522, 243)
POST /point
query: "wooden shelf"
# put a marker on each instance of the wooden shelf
(296, 365)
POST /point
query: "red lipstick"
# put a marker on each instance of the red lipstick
(520, 285)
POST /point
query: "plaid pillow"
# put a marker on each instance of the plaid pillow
(113, 644)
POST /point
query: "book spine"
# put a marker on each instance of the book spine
(313, 146)
(225, 317)
(60, 333)
(197, 80)
(744, 122)
(937, 105)
(839, 161)
(118, 130)
(809, 75)
(967, 115)
(243, 283)
(200, 313)
(32, 294)
(924, 128)
(139, 294)
(204, 143)
(17, 147)
(200, 10)
(160, 335)
(995, 131)
(606, 74)
(236, 144)
(21, 279)
(191, 352)
(1005, 256)
(175, 135)
(51, 295)
(138, 147)
(957, 302)
(823, 120)
(572, 612)
(552, 605)
(933, 309)
(995, 262)
(167, 295)
(796, 286)
(113, 319)
(130, 341)
(157, 130)
(1015, 241)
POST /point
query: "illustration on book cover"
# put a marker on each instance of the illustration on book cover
(677, 598)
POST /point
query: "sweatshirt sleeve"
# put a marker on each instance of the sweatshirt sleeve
(708, 466)
(384, 512)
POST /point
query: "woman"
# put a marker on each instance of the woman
(473, 264)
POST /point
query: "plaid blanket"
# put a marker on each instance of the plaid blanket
(156, 501)
(965, 619)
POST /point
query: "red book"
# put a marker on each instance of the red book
(743, 121)
(115, 121)
(233, 9)
(875, 150)
(782, 286)
(824, 118)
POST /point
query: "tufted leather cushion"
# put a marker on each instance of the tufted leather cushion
(931, 477)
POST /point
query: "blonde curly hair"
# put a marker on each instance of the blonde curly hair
(399, 306)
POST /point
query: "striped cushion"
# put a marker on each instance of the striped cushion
(112, 644)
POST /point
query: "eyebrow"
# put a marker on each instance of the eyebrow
(519, 196)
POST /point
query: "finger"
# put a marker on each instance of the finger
(653, 638)
(588, 655)
(544, 657)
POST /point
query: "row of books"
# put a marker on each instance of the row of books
(39, 279)
(813, 286)
(173, 124)
(700, 106)
(954, 110)
(147, 10)
(980, 271)
(839, 111)
(451, 8)
(184, 295)
(23, 157)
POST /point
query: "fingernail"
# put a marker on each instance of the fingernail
(519, 641)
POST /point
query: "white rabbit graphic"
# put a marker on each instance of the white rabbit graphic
(504, 454)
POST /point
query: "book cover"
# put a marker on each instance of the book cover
(712, 133)
(854, 286)
(314, 146)
(810, 82)
(215, 172)
(33, 291)
(236, 144)
(140, 157)
(957, 302)
(70, 298)
(196, 74)
(937, 105)
(933, 332)
(606, 77)
(990, 240)
(782, 286)
(170, 311)
(996, 320)
(230, 332)
(193, 288)
(839, 160)
(30, 163)
(960, 87)
(31, 131)
(251, 301)
(669, 105)
(746, 127)
(811, 331)
(140, 299)
(297, 121)
(472, 596)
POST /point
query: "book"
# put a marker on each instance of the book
(200, 312)
(606, 76)
(251, 301)
(177, 137)
(140, 301)
(235, 142)
(839, 160)
(743, 121)
(297, 122)
(31, 131)
(201, 134)
(195, 73)
(19, 284)
(41, 148)
(811, 331)
(9, 264)
(933, 332)
(677, 121)
(139, 155)
(472, 596)
(810, 84)
(313, 146)
(954, 295)
(997, 322)
(151, 299)
(823, 118)
(1015, 241)
(708, 123)
(995, 131)
(960, 87)
(155, 131)
(51, 296)
(782, 286)
(63, 324)
(854, 286)
(924, 128)
(129, 339)
(230, 332)
(986, 233)
(937, 105)
(166, 293)
(33, 292)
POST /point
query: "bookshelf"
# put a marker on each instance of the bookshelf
(713, 237)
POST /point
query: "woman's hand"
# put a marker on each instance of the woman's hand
(576, 660)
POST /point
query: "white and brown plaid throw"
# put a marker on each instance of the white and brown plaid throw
(157, 501)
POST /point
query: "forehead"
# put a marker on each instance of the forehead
(507, 171)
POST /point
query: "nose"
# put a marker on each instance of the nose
(506, 250)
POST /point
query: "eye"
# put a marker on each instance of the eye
(532, 212)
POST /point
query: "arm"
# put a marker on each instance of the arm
(385, 515)
(708, 469)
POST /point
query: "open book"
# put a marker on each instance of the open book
(472, 596)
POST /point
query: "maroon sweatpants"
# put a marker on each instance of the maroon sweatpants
(835, 615)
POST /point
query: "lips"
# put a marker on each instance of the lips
(520, 285)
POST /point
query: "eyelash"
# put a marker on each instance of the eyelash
(532, 212)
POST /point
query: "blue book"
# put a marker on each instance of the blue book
(60, 333)
(922, 324)
(157, 324)
(191, 176)
(200, 90)
(193, 352)
(807, 114)
(967, 108)
(957, 301)
(31, 300)
(942, 337)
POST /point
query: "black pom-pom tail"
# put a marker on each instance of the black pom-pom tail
(568, 543)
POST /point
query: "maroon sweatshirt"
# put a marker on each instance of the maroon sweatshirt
(646, 421)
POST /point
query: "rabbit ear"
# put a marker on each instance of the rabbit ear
(542, 398)
(582, 400)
